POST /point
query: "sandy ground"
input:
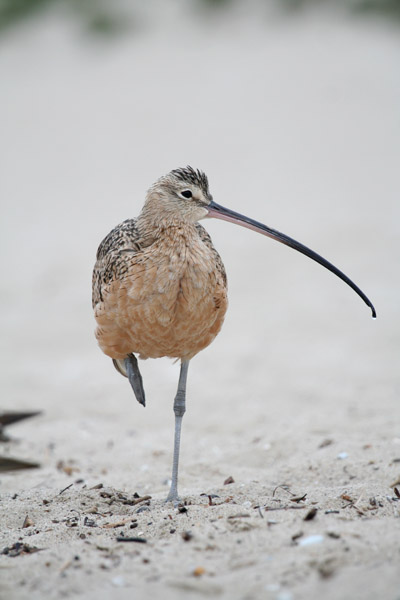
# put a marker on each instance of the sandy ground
(296, 121)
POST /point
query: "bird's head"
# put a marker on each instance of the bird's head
(181, 195)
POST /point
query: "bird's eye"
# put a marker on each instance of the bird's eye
(186, 194)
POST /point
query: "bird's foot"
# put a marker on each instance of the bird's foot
(173, 497)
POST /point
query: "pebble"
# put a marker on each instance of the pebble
(342, 455)
(311, 539)
(118, 581)
(284, 596)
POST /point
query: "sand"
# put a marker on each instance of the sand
(295, 120)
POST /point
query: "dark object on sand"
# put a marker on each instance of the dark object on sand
(8, 418)
(14, 464)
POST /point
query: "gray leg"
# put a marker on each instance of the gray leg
(135, 378)
(179, 410)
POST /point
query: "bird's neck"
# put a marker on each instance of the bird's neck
(156, 224)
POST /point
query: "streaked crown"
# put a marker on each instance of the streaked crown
(192, 176)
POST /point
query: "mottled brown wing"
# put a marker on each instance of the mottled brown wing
(110, 263)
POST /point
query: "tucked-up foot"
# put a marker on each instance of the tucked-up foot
(135, 378)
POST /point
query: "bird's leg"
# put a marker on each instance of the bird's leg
(135, 378)
(179, 410)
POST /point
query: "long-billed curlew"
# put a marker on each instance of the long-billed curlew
(159, 285)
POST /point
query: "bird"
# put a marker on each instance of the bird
(159, 286)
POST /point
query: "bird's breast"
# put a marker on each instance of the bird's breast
(170, 302)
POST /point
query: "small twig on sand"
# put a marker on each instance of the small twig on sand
(66, 488)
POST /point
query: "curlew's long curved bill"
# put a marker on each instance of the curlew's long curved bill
(220, 212)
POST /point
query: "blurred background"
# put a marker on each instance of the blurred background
(292, 109)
